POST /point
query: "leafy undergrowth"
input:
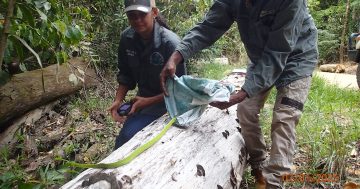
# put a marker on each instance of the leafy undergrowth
(77, 128)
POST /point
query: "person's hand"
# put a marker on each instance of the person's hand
(169, 70)
(234, 99)
(113, 111)
(139, 103)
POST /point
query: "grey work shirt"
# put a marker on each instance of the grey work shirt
(279, 36)
(140, 63)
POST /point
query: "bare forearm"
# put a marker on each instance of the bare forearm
(156, 99)
(176, 57)
(121, 93)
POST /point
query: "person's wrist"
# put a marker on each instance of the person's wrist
(238, 97)
(117, 102)
(246, 94)
(177, 57)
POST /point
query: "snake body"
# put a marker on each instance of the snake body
(130, 157)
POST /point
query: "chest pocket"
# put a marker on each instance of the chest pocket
(156, 59)
(267, 17)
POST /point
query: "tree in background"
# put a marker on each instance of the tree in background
(342, 39)
(331, 20)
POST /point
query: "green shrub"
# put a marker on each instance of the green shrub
(328, 46)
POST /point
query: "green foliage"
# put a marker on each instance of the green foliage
(107, 22)
(329, 18)
(48, 27)
(329, 127)
(328, 46)
(183, 15)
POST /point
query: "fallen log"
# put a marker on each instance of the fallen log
(334, 68)
(25, 91)
(208, 154)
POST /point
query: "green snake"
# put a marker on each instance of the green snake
(130, 157)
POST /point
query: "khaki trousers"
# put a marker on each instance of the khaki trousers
(286, 114)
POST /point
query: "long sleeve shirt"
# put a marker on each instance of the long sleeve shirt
(140, 63)
(279, 36)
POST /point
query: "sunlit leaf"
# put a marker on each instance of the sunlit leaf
(74, 34)
(42, 15)
(19, 13)
(60, 26)
(22, 67)
(31, 38)
(61, 57)
(39, 3)
(47, 6)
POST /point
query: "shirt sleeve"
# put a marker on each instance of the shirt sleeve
(217, 21)
(124, 75)
(284, 33)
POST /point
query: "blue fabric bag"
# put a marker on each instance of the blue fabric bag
(189, 97)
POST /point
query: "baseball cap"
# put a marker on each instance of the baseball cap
(139, 5)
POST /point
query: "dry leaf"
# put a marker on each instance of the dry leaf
(73, 79)
(351, 185)
(81, 71)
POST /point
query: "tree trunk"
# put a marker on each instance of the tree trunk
(6, 30)
(344, 32)
(25, 91)
(208, 154)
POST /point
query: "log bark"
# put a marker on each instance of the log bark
(209, 154)
(25, 91)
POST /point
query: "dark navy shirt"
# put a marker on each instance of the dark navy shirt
(279, 36)
(140, 63)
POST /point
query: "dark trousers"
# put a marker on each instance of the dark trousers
(132, 125)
